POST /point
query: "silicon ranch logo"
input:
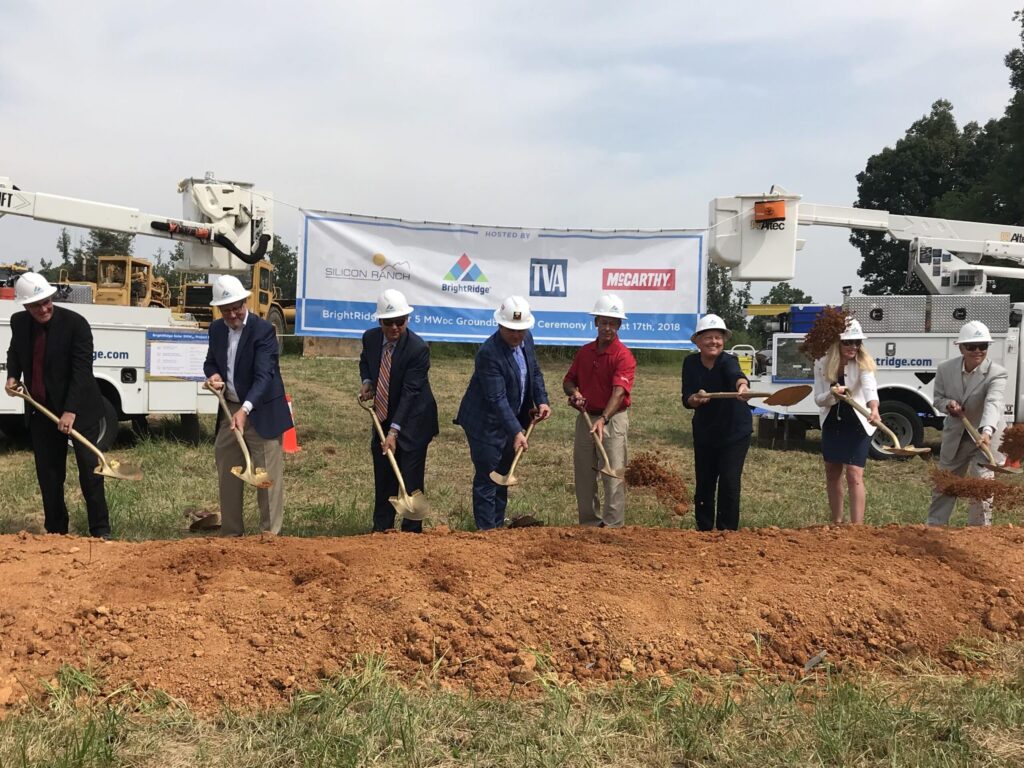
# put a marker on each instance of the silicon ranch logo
(380, 270)
(638, 279)
(465, 277)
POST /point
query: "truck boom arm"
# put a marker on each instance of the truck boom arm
(755, 235)
(233, 214)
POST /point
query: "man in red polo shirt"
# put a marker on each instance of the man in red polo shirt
(599, 382)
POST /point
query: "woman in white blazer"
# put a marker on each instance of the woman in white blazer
(845, 433)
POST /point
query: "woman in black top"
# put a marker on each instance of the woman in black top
(721, 428)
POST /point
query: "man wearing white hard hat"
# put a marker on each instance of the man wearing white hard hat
(242, 359)
(599, 383)
(721, 428)
(51, 349)
(970, 386)
(505, 393)
(394, 367)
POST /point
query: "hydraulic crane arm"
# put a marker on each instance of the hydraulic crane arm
(236, 220)
(756, 235)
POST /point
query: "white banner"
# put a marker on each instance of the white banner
(456, 275)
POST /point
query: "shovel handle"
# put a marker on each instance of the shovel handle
(390, 454)
(19, 391)
(732, 395)
(867, 414)
(976, 437)
(597, 440)
(219, 392)
(519, 452)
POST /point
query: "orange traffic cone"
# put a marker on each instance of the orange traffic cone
(290, 441)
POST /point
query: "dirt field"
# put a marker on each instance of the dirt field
(246, 622)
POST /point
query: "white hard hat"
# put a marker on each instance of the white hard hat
(710, 323)
(32, 287)
(610, 305)
(514, 313)
(853, 332)
(392, 303)
(227, 289)
(972, 332)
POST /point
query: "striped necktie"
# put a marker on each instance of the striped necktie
(380, 397)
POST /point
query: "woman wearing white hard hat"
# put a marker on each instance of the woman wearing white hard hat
(845, 433)
(505, 393)
(721, 427)
(972, 386)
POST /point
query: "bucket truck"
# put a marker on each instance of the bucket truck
(146, 359)
(756, 236)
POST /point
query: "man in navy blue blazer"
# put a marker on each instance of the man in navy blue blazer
(394, 368)
(505, 393)
(242, 358)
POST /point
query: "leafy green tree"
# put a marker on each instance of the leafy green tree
(285, 261)
(166, 264)
(723, 301)
(781, 293)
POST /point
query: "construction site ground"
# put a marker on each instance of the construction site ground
(247, 622)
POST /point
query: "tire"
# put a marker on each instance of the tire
(14, 428)
(190, 431)
(902, 420)
(109, 426)
(276, 319)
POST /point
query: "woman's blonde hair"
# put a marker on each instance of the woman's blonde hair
(833, 360)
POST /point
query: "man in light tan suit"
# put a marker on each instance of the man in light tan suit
(970, 386)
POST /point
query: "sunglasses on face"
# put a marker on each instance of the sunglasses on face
(975, 347)
(851, 343)
(393, 321)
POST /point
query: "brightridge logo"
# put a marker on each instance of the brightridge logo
(465, 277)
(548, 277)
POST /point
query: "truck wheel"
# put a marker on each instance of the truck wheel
(903, 421)
(14, 428)
(276, 319)
(190, 431)
(109, 426)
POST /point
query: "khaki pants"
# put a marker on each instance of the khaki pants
(964, 463)
(586, 456)
(265, 453)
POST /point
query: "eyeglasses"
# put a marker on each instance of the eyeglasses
(233, 309)
(851, 342)
(41, 304)
(975, 347)
(393, 321)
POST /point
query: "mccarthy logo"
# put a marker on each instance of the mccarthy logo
(377, 270)
(639, 279)
(465, 277)
(548, 277)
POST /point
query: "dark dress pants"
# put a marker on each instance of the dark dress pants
(489, 498)
(412, 465)
(718, 468)
(51, 453)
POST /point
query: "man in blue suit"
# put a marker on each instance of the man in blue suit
(394, 368)
(242, 358)
(505, 393)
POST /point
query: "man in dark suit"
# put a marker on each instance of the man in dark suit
(505, 393)
(51, 347)
(242, 358)
(394, 367)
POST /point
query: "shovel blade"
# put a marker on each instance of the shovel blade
(503, 479)
(118, 471)
(788, 395)
(1000, 469)
(401, 506)
(616, 473)
(258, 477)
(417, 507)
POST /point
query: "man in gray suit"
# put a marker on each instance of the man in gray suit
(971, 386)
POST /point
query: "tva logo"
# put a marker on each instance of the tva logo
(548, 277)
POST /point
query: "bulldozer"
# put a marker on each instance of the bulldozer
(127, 281)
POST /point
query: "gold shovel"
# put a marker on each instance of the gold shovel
(896, 449)
(606, 469)
(976, 436)
(107, 467)
(258, 476)
(784, 397)
(510, 478)
(412, 507)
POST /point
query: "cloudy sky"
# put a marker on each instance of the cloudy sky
(539, 114)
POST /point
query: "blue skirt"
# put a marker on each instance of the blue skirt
(843, 439)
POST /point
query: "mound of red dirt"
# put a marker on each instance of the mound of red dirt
(246, 622)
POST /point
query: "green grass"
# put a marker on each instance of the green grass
(363, 717)
(915, 716)
(329, 484)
